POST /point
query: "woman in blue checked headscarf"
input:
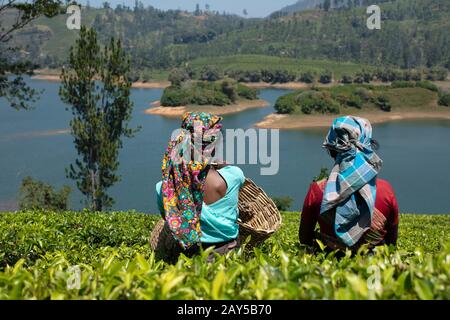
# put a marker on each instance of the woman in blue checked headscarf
(352, 206)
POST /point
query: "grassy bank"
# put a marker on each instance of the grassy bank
(318, 106)
(177, 112)
(400, 96)
(37, 250)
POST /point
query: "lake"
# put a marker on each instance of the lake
(416, 154)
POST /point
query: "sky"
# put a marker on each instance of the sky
(255, 8)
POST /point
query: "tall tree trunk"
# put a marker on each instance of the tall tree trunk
(94, 191)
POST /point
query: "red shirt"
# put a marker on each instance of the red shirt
(385, 202)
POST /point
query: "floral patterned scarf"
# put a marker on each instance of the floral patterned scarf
(185, 167)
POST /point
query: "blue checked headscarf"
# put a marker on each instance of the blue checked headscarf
(351, 187)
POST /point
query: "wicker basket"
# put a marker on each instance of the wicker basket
(259, 218)
(258, 215)
(163, 243)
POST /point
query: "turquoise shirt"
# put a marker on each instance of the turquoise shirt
(218, 221)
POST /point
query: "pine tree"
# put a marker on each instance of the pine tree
(97, 87)
(197, 12)
(12, 84)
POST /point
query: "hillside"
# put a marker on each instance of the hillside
(40, 250)
(47, 41)
(414, 34)
(303, 5)
(147, 33)
(299, 6)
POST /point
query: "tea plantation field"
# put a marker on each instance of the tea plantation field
(39, 252)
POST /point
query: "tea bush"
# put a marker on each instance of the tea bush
(39, 249)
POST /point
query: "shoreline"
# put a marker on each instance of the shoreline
(9, 205)
(159, 84)
(288, 85)
(157, 109)
(298, 122)
(165, 84)
(304, 85)
(151, 85)
(135, 85)
(46, 77)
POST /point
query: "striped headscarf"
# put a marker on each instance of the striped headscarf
(351, 187)
(184, 170)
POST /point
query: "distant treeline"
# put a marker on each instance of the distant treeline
(274, 76)
(414, 33)
(384, 75)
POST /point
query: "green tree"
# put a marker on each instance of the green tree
(384, 103)
(347, 79)
(326, 77)
(323, 174)
(178, 76)
(283, 203)
(15, 89)
(444, 99)
(326, 5)
(101, 113)
(210, 73)
(307, 77)
(197, 11)
(229, 88)
(286, 104)
(35, 194)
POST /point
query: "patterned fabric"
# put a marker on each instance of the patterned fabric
(218, 220)
(351, 187)
(373, 237)
(184, 170)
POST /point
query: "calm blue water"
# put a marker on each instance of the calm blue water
(416, 154)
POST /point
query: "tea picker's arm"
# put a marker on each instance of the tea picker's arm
(310, 212)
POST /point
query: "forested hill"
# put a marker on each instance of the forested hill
(413, 33)
(326, 5)
(300, 5)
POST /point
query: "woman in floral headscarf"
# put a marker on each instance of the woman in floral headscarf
(353, 207)
(199, 202)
